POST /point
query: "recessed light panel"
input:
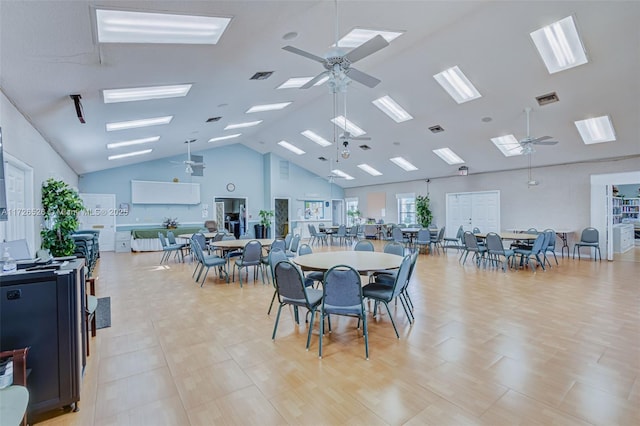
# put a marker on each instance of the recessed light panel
(290, 147)
(448, 156)
(268, 107)
(242, 125)
(367, 168)
(347, 125)
(295, 83)
(359, 36)
(508, 145)
(403, 163)
(392, 109)
(559, 45)
(129, 154)
(119, 26)
(596, 130)
(316, 138)
(145, 93)
(342, 174)
(224, 138)
(457, 85)
(132, 142)
(132, 124)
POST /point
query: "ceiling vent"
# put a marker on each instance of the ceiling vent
(213, 119)
(365, 147)
(549, 98)
(322, 159)
(261, 75)
(436, 129)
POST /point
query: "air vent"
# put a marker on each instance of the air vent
(436, 129)
(549, 98)
(322, 159)
(365, 147)
(213, 119)
(261, 75)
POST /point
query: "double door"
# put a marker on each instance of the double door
(473, 210)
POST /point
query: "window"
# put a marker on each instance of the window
(406, 208)
(352, 206)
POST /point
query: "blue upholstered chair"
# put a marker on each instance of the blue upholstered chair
(589, 238)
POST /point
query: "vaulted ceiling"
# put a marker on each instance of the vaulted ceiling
(49, 50)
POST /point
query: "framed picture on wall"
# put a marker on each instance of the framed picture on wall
(314, 209)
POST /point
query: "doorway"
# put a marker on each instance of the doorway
(231, 214)
(19, 193)
(281, 216)
(337, 212)
(473, 210)
(100, 216)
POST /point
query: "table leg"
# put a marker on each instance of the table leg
(564, 238)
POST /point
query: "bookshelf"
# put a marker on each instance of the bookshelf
(630, 208)
(617, 210)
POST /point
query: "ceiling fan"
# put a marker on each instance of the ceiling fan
(526, 144)
(194, 164)
(337, 62)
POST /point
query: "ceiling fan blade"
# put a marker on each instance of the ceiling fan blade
(538, 142)
(362, 77)
(360, 138)
(314, 80)
(305, 54)
(542, 138)
(367, 48)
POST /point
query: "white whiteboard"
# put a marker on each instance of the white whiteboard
(146, 192)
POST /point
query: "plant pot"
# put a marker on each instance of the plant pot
(259, 230)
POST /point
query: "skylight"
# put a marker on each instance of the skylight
(457, 85)
(508, 145)
(145, 93)
(129, 154)
(268, 107)
(114, 145)
(316, 138)
(295, 82)
(367, 168)
(133, 124)
(224, 138)
(359, 36)
(392, 109)
(119, 26)
(342, 174)
(560, 46)
(290, 147)
(348, 126)
(449, 156)
(242, 125)
(403, 163)
(596, 130)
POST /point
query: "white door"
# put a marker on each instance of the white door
(21, 214)
(458, 213)
(337, 212)
(100, 215)
(473, 210)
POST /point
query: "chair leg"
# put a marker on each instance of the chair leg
(313, 312)
(275, 326)
(275, 293)
(391, 318)
(321, 333)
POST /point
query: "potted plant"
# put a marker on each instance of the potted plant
(61, 205)
(170, 223)
(262, 229)
(423, 211)
(354, 216)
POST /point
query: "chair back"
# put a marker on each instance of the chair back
(197, 248)
(342, 231)
(304, 249)
(312, 230)
(589, 235)
(163, 240)
(342, 291)
(402, 277)
(470, 241)
(171, 237)
(364, 245)
(218, 236)
(295, 242)
(545, 242)
(287, 241)
(228, 237)
(279, 244)
(476, 230)
(321, 227)
(532, 231)
(202, 241)
(494, 243)
(289, 282)
(538, 243)
(396, 234)
(551, 245)
(460, 233)
(252, 253)
(276, 256)
(423, 237)
(440, 234)
(393, 247)
(211, 225)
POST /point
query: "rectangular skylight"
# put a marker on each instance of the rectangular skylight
(295, 83)
(290, 147)
(559, 45)
(242, 125)
(457, 85)
(449, 156)
(508, 145)
(133, 124)
(367, 168)
(342, 174)
(347, 125)
(145, 93)
(129, 154)
(359, 36)
(401, 162)
(132, 142)
(392, 109)
(224, 138)
(596, 130)
(316, 138)
(268, 107)
(119, 26)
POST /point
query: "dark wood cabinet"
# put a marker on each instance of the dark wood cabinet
(44, 311)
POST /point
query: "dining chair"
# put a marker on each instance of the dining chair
(208, 261)
(342, 295)
(437, 241)
(454, 242)
(532, 254)
(388, 277)
(364, 245)
(589, 238)
(496, 250)
(293, 247)
(341, 234)
(291, 290)
(251, 255)
(471, 246)
(167, 249)
(275, 255)
(171, 238)
(277, 244)
(423, 240)
(552, 245)
(311, 277)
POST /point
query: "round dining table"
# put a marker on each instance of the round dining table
(361, 261)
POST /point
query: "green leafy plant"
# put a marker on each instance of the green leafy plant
(170, 222)
(61, 205)
(265, 217)
(423, 210)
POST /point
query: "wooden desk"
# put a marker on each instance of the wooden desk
(361, 261)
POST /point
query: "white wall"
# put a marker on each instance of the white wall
(561, 200)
